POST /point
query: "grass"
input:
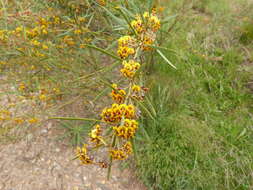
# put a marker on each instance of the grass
(201, 137)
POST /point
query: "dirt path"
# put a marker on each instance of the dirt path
(40, 162)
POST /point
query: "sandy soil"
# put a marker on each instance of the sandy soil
(40, 162)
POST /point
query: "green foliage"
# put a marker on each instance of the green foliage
(247, 33)
(201, 135)
(75, 132)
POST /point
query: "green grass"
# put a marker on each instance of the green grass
(202, 135)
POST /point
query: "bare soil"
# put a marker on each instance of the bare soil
(38, 161)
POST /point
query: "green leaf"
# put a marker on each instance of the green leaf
(144, 108)
(165, 59)
(75, 118)
(117, 19)
(168, 18)
(104, 51)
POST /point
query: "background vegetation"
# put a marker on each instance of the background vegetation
(201, 134)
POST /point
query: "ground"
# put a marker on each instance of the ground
(39, 161)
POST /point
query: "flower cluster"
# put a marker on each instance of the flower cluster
(117, 112)
(126, 45)
(95, 135)
(82, 155)
(129, 68)
(117, 94)
(127, 130)
(121, 118)
(122, 153)
(146, 27)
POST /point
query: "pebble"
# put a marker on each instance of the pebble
(87, 184)
(29, 137)
(43, 131)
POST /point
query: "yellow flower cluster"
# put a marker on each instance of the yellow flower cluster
(152, 21)
(146, 22)
(127, 130)
(129, 68)
(146, 26)
(126, 46)
(81, 153)
(4, 115)
(121, 116)
(122, 153)
(101, 2)
(136, 88)
(117, 112)
(118, 95)
(95, 135)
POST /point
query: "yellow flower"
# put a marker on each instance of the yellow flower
(118, 154)
(148, 40)
(125, 41)
(118, 95)
(33, 32)
(56, 20)
(45, 47)
(138, 25)
(69, 40)
(127, 130)
(19, 120)
(35, 43)
(81, 19)
(82, 46)
(18, 29)
(117, 111)
(122, 153)
(136, 88)
(2, 63)
(21, 87)
(77, 31)
(43, 97)
(101, 2)
(95, 134)
(146, 15)
(128, 148)
(33, 120)
(154, 23)
(124, 52)
(129, 68)
(81, 153)
(44, 31)
(126, 46)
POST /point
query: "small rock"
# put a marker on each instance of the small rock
(87, 184)
(29, 137)
(43, 131)
(49, 125)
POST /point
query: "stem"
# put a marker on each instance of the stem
(75, 118)
(110, 162)
(103, 51)
(135, 152)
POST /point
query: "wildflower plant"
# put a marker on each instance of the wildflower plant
(74, 39)
(118, 123)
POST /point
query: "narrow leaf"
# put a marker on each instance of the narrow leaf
(74, 118)
(103, 51)
(163, 56)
